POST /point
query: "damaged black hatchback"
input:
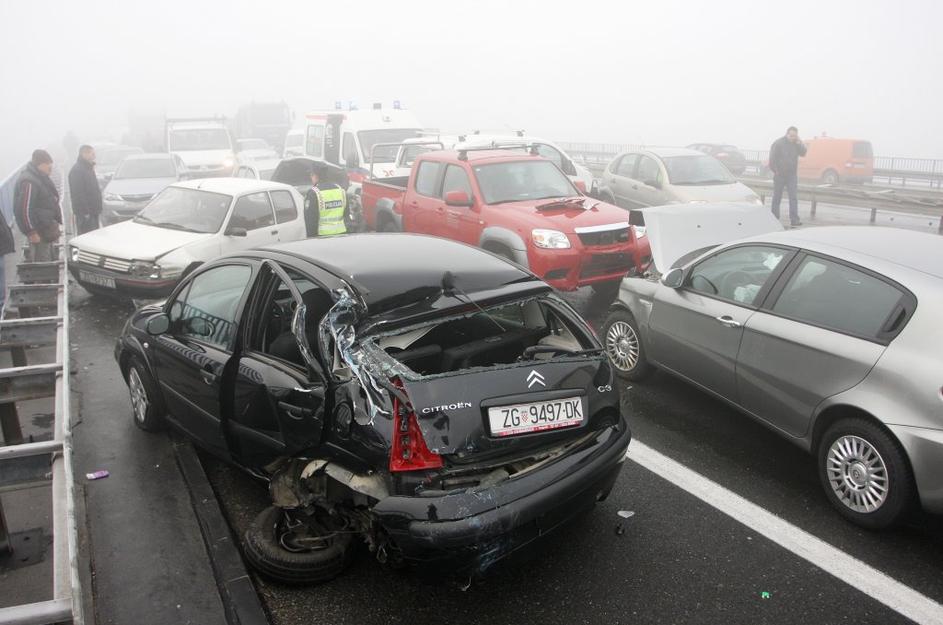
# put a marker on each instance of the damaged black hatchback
(430, 398)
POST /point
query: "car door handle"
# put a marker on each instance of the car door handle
(293, 411)
(314, 391)
(274, 232)
(635, 186)
(208, 376)
(727, 321)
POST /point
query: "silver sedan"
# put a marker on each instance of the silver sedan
(830, 336)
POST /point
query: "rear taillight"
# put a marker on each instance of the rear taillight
(408, 451)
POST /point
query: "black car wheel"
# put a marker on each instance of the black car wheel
(286, 547)
(623, 345)
(146, 404)
(865, 473)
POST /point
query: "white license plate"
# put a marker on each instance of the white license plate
(535, 417)
(97, 280)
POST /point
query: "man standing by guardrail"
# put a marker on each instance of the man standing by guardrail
(84, 191)
(36, 206)
(784, 163)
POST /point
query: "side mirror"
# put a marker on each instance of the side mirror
(236, 232)
(158, 324)
(653, 183)
(198, 326)
(458, 198)
(568, 167)
(674, 278)
(579, 184)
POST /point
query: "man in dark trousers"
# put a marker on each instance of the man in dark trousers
(784, 163)
(325, 206)
(36, 206)
(84, 191)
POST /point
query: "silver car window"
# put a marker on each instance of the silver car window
(648, 170)
(627, 166)
(737, 274)
(833, 295)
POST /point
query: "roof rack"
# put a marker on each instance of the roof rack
(530, 147)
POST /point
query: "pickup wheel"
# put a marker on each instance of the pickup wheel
(386, 224)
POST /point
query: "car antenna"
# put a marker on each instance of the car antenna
(449, 289)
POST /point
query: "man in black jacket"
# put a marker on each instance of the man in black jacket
(84, 191)
(36, 206)
(784, 163)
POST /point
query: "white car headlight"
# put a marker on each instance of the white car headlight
(145, 269)
(111, 197)
(74, 254)
(550, 239)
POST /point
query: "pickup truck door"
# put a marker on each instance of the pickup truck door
(424, 207)
(459, 223)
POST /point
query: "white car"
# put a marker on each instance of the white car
(185, 225)
(249, 151)
(205, 147)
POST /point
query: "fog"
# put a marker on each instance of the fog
(666, 73)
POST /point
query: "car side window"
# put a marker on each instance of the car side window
(427, 178)
(207, 308)
(835, 296)
(648, 170)
(456, 180)
(314, 141)
(627, 166)
(285, 209)
(738, 274)
(252, 211)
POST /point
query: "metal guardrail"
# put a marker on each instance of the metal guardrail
(890, 168)
(43, 320)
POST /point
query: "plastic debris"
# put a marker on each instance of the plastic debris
(97, 475)
(765, 595)
(626, 514)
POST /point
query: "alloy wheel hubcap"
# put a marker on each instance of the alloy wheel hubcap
(857, 474)
(622, 345)
(138, 395)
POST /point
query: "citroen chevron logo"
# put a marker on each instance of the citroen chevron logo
(535, 378)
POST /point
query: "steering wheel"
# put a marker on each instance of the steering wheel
(736, 279)
(710, 284)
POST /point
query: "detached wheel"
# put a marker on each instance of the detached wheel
(288, 548)
(146, 403)
(865, 474)
(623, 345)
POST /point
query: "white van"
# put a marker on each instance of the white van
(204, 145)
(346, 138)
(294, 143)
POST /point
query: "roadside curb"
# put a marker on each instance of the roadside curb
(238, 595)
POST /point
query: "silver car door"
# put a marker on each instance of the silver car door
(695, 330)
(824, 330)
(623, 183)
(649, 182)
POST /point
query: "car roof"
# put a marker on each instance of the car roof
(231, 186)
(478, 156)
(669, 152)
(385, 266)
(919, 251)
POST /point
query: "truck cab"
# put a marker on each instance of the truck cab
(517, 205)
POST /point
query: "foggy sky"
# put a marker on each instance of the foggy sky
(667, 73)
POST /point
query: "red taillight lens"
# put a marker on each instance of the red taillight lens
(409, 451)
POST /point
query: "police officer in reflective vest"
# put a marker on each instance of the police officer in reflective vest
(325, 206)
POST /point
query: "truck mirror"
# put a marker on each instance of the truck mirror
(458, 198)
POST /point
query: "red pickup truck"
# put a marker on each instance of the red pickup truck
(515, 205)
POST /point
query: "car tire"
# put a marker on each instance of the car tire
(606, 291)
(830, 177)
(387, 225)
(856, 459)
(623, 345)
(264, 550)
(147, 406)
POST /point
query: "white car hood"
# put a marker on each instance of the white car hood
(133, 241)
(204, 157)
(678, 229)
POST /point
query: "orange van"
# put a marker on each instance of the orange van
(832, 160)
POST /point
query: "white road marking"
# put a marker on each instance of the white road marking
(852, 571)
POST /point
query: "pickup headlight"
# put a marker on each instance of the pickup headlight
(639, 231)
(111, 197)
(145, 269)
(550, 239)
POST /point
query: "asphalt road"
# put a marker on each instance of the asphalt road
(679, 560)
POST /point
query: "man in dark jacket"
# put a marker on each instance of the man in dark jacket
(36, 206)
(84, 191)
(784, 163)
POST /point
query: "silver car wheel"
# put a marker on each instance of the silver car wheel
(622, 345)
(139, 400)
(857, 474)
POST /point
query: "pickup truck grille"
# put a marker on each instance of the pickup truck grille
(96, 260)
(603, 264)
(606, 237)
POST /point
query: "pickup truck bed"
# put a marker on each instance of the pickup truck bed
(382, 200)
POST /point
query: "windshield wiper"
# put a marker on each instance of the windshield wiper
(173, 226)
(579, 200)
(142, 219)
(700, 182)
